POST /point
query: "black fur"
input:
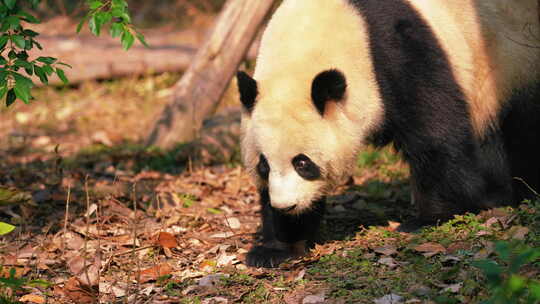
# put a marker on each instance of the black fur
(305, 167)
(428, 119)
(263, 168)
(522, 140)
(328, 85)
(248, 90)
(283, 230)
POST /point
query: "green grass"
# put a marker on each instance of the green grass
(354, 275)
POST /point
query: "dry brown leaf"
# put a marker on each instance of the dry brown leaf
(458, 246)
(483, 253)
(153, 273)
(296, 275)
(8, 260)
(28, 252)
(124, 240)
(74, 291)
(211, 280)
(71, 240)
(118, 289)
(294, 298)
(454, 288)
(517, 232)
(233, 223)
(224, 259)
(86, 271)
(322, 250)
(215, 300)
(498, 213)
(386, 250)
(166, 240)
(389, 299)
(93, 208)
(77, 264)
(32, 298)
(222, 235)
(90, 276)
(430, 249)
(148, 175)
(490, 222)
(390, 262)
(207, 265)
(393, 226)
(314, 299)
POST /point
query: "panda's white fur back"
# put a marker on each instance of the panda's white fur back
(491, 46)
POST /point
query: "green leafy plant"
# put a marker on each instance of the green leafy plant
(16, 66)
(503, 279)
(115, 13)
(5, 228)
(11, 285)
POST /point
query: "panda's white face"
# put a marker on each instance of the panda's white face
(290, 162)
(294, 150)
(314, 96)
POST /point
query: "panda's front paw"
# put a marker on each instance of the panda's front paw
(261, 256)
(414, 226)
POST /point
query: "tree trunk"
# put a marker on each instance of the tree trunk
(197, 94)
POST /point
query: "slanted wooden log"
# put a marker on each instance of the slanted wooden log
(197, 94)
(102, 58)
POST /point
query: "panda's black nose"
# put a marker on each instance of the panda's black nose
(291, 208)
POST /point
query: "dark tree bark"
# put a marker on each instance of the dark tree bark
(198, 92)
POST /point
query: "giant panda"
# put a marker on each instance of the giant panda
(454, 85)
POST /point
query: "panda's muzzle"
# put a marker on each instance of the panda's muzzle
(288, 209)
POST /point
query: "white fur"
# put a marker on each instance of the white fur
(285, 123)
(306, 37)
(488, 44)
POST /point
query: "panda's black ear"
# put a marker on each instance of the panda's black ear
(247, 87)
(328, 85)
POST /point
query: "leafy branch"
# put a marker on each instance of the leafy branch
(116, 13)
(16, 68)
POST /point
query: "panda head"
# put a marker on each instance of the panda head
(311, 103)
(288, 148)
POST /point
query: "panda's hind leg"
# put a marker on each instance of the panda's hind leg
(284, 235)
(521, 130)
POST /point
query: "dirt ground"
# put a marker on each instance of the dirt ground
(101, 219)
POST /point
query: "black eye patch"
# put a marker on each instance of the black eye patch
(263, 168)
(306, 168)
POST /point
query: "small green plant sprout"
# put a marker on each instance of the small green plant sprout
(10, 286)
(504, 282)
(5, 228)
(114, 12)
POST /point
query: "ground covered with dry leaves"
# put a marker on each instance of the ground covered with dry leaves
(101, 219)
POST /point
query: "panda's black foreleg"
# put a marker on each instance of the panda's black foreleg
(284, 235)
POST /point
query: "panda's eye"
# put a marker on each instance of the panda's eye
(305, 167)
(263, 169)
